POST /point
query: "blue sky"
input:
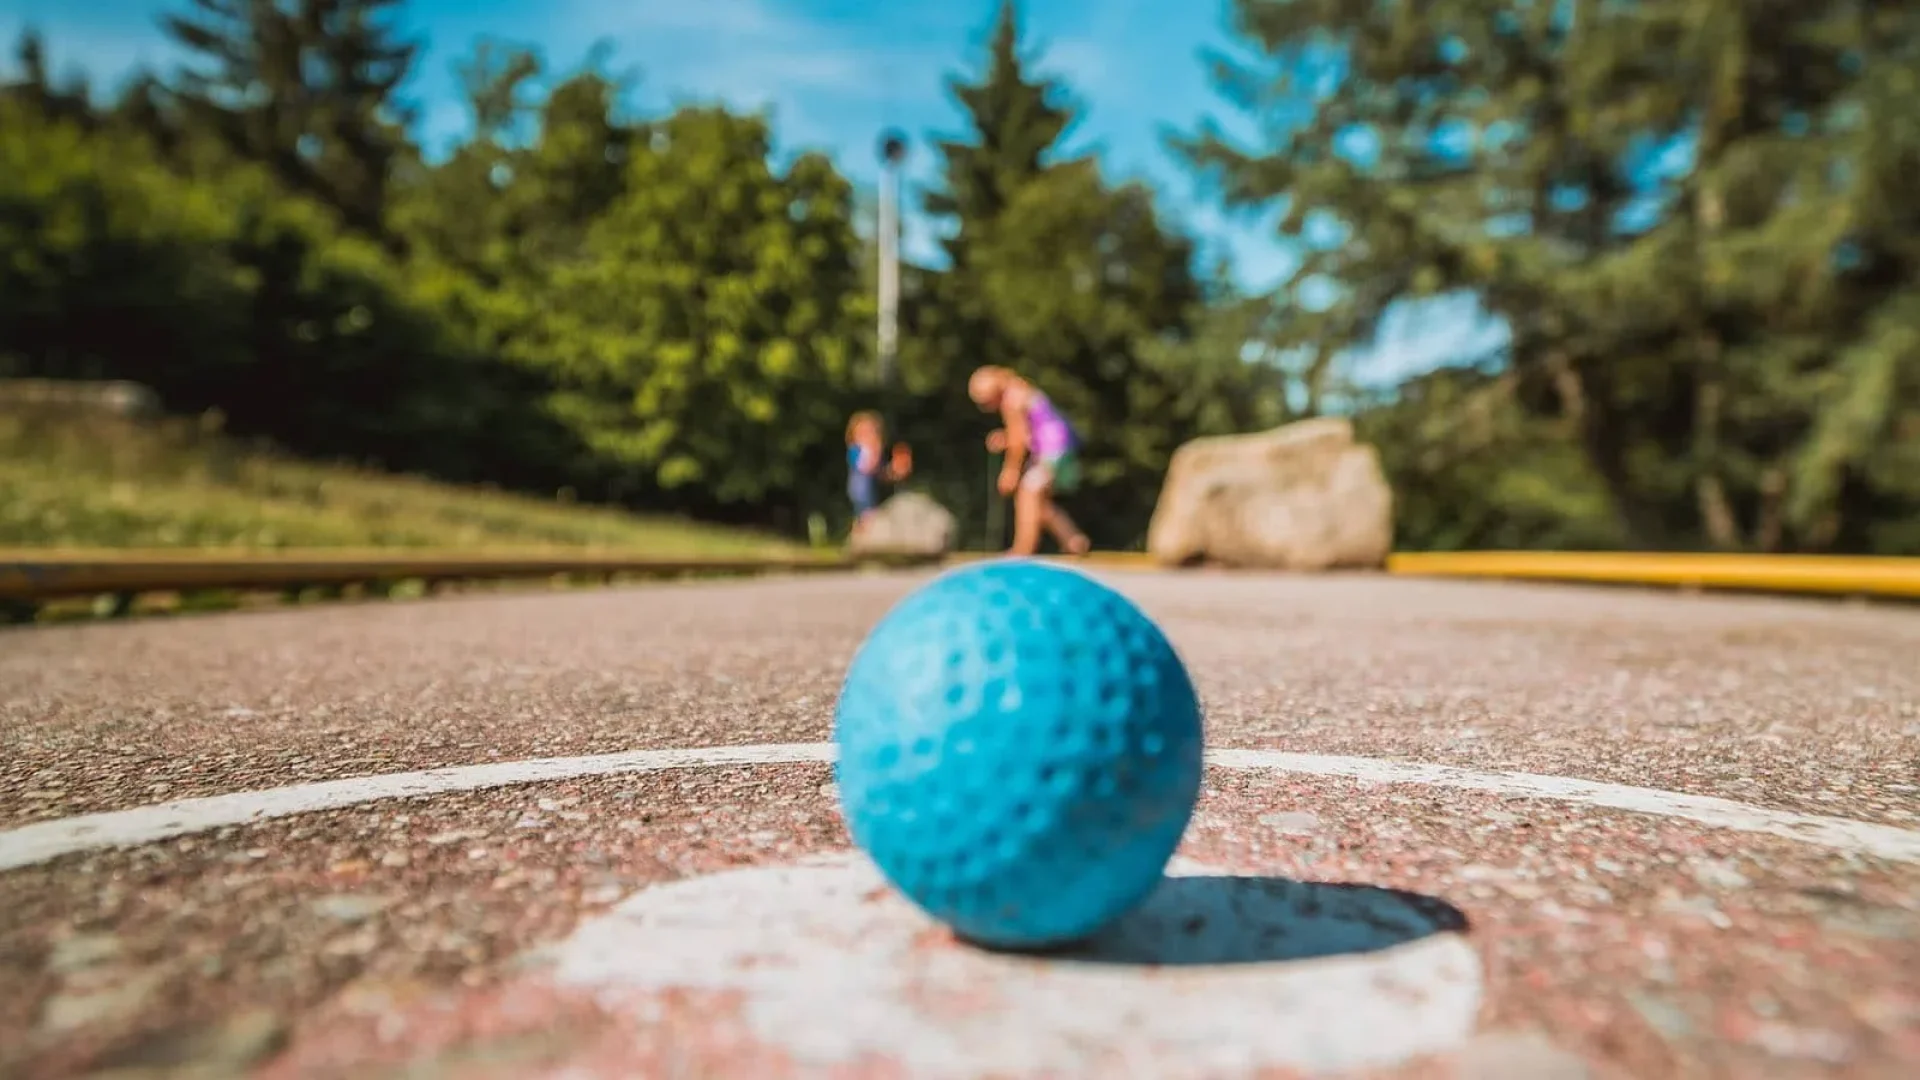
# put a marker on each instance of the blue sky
(835, 73)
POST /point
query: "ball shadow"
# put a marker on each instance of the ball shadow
(1202, 920)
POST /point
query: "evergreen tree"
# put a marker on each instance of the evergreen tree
(306, 87)
(458, 209)
(1707, 336)
(577, 168)
(142, 107)
(38, 91)
(1017, 123)
(1061, 276)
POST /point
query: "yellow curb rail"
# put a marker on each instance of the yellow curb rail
(1829, 575)
(31, 576)
(1825, 575)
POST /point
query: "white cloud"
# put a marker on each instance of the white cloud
(710, 16)
(1417, 337)
(755, 51)
(444, 124)
(1261, 261)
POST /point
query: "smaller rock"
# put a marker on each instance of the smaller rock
(907, 524)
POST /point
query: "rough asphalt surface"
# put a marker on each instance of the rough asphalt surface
(394, 938)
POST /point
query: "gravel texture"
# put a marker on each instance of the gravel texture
(1784, 703)
(116, 958)
(396, 936)
(390, 939)
(1648, 945)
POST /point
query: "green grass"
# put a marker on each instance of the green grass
(87, 479)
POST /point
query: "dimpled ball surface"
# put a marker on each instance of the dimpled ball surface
(1019, 752)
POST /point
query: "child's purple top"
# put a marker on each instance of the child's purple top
(1048, 431)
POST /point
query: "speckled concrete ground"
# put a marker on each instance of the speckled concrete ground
(391, 938)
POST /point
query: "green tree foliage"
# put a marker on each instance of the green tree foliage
(1221, 379)
(1450, 441)
(36, 88)
(106, 252)
(1081, 279)
(1064, 277)
(1724, 341)
(203, 279)
(456, 209)
(307, 88)
(1017, 124)
(706, 332)
(1690, 215)
(579, 167)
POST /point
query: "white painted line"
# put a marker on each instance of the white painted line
(1215, 975)
(42, 841)
(46, 840)
(1841, 834)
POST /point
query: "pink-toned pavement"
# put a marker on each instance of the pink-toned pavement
(1711, 868)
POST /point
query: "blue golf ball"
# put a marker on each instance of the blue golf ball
(1019, 752)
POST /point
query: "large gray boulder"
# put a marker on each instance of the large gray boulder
(1304, 496)
(907, 524)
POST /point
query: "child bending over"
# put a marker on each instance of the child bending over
(1042, 458)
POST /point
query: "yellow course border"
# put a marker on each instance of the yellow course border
(1831, 575)
(35, 575)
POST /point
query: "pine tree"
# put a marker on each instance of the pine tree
(462, 209)
(306, 87)
(36, 88)
(1017, 123)
(1709, 337)
(1063, 277)
(142, 107)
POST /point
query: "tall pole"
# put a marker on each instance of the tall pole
(893, 149)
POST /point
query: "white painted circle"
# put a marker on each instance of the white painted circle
(43, 841)
(832, 967)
